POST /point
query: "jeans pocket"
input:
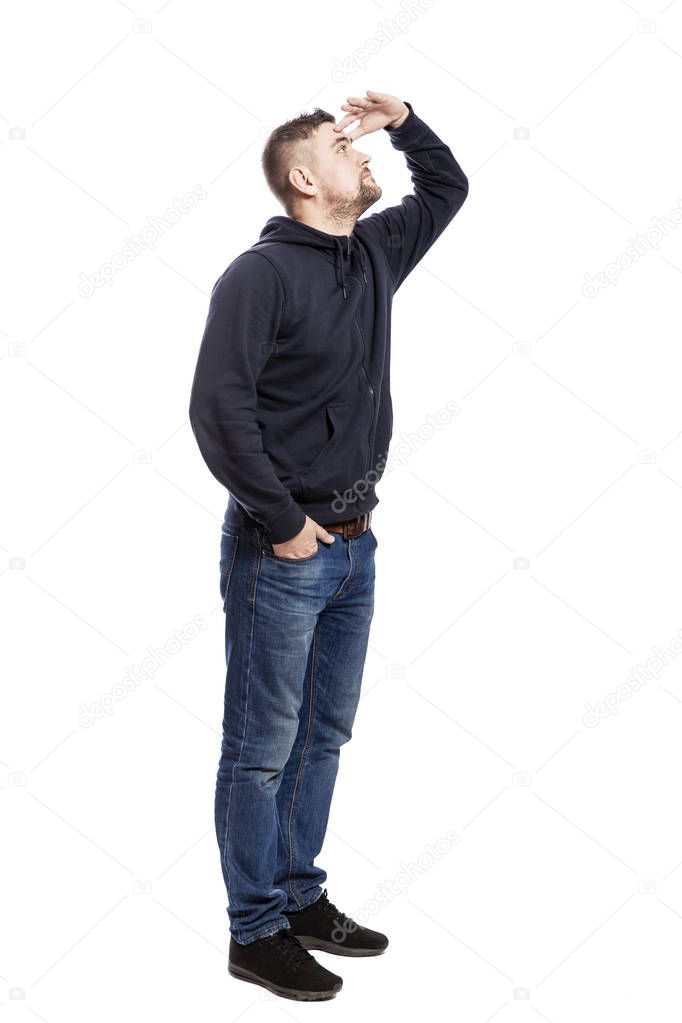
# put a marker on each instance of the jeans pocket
(268, 551)
(229, 542)
(297, 561)
(292, 561)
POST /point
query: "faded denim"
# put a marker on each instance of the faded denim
(296, 636)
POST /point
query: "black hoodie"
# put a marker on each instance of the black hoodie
(291, 404)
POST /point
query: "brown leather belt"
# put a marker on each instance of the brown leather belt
(350, 527)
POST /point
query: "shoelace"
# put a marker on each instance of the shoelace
(329, 909)
(292, 950)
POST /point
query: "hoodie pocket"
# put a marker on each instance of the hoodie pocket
(341, 461)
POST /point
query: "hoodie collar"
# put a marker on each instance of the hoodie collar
(295, 232)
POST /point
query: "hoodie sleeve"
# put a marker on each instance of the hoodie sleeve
(245, 310)
(407, 231)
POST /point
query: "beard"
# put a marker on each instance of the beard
(340, 207)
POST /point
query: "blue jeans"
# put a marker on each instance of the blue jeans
(296, 635)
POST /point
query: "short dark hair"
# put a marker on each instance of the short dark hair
(279, 152)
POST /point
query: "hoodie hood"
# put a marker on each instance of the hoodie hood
(343, 248)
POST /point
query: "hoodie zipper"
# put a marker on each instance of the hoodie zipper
(370, 388)
(370, 391)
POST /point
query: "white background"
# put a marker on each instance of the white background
(561, 896)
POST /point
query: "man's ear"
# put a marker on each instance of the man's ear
(301, 180)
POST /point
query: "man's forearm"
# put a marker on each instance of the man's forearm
(407, 231)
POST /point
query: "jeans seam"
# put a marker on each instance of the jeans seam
(254, 575)
(226, 573)
(241, 750)
(318, 895)
(306, 747)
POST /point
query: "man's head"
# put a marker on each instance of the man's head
(309, 166)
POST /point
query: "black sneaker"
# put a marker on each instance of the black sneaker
(324, 927)
(281, 964)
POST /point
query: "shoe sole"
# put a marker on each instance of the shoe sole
(318, 945)
(286, 992)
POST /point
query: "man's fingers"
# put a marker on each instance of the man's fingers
(348, 119)
(357, 106)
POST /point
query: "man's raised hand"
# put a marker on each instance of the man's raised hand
(375, 110)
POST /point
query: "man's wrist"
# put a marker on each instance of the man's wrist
(400, 121)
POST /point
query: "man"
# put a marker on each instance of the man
(291, 410)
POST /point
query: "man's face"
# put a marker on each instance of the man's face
(346, 186)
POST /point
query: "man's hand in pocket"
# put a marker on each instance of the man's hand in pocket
(304, 544)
